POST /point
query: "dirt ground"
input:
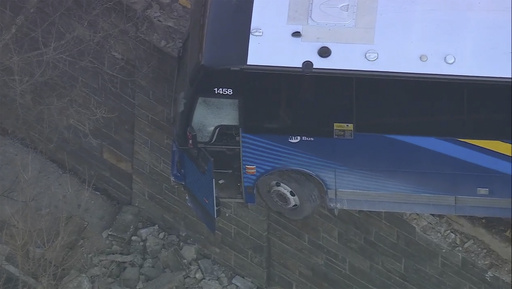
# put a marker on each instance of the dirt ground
(28, 178)
(43, 209)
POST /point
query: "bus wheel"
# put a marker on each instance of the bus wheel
(290, 193)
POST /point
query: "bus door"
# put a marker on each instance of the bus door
(209, 164)
(194, 168)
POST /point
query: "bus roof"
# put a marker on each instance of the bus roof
(468, 38)
(452, 38)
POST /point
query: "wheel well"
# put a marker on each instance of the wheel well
(317, 183)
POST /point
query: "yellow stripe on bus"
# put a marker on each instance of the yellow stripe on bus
(494, 145)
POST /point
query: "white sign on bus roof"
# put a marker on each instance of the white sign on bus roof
(446, 37)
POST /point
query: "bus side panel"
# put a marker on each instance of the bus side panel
(421, 174)
(383, 173)
(431, 165)
(262, 154)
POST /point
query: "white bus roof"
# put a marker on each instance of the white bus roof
(445, 37)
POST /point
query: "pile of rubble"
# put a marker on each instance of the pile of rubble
(488, 250)
(149, 258)
(61, 229)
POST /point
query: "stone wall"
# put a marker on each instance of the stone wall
(88, 84)
(77, 76)
(366, 250)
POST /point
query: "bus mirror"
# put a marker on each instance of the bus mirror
(191, 137)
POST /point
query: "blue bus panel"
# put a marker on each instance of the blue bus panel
(392, 173)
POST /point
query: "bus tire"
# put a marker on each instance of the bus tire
(290, 193)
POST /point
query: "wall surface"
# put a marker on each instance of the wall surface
(86, 83)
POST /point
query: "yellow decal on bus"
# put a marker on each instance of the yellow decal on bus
(493, 145)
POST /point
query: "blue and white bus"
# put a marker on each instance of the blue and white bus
(386, 105)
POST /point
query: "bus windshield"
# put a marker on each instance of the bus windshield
(210, 113)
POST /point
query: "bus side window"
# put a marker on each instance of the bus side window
(409, 107)
(297, 104)
(267, 104)
(488, 111)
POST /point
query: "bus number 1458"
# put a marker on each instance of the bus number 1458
(227, 91)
